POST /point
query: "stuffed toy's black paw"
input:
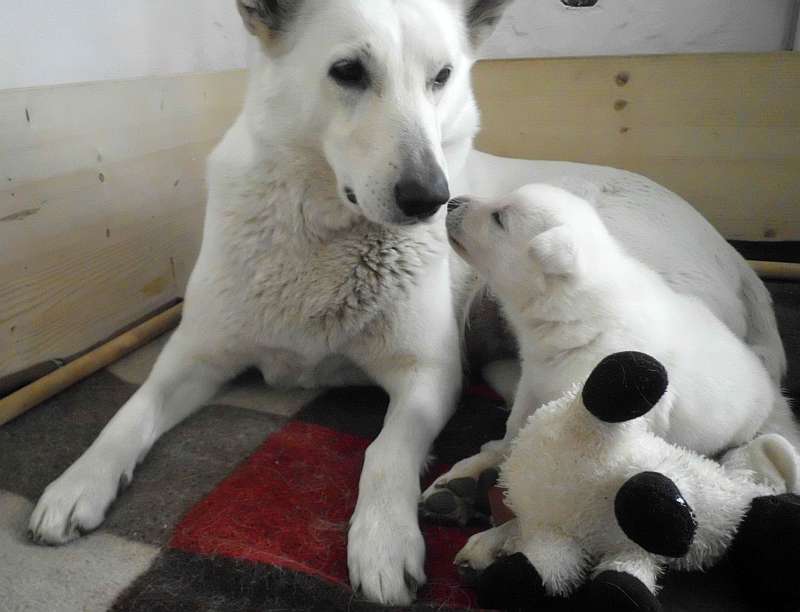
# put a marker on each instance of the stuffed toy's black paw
(510, 583)
(766, 552)
(616, 592)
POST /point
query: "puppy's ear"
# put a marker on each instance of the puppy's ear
(555, 251)
(483, 17)
(265, 18)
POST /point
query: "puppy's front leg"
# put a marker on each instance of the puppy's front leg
(460, 493)
(386, 552)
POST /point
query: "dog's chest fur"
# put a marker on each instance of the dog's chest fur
(304, 273)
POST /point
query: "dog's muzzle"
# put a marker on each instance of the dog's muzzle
(422, 189)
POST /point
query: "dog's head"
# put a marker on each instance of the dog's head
(380, 89)
(520, 240)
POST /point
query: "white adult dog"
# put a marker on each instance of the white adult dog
(325, 261)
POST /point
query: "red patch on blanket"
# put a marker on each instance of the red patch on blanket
(288, 505)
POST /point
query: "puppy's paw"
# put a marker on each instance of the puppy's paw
(462, 494)
(385, 556)
(484, 548)
(555, 251)
(74, 504)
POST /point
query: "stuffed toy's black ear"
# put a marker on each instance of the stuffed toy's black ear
(624, 386)
(652, 512)
(766, 552)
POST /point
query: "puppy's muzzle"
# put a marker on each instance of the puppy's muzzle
(456, 203)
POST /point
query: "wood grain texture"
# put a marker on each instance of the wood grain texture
(721, 130)
(102, 184)
(102, 193)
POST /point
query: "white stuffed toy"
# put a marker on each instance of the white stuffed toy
(598, 496)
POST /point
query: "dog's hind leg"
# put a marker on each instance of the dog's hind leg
(186, 374)
(783, 421)
(503, 376)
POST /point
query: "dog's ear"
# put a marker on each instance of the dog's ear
(483, 17)
(267, 17)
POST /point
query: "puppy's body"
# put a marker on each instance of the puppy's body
(573, 295)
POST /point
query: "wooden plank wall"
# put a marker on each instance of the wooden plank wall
(721, 130)
(101, 203)
(102, 189)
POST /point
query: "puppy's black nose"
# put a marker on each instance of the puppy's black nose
(455, 203)
(422, 190)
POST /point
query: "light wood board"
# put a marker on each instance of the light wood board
(721, 130)
(102, 185)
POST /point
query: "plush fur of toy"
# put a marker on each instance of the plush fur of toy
(597, 495)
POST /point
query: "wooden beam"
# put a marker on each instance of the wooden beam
(46, 387)
(722, 130)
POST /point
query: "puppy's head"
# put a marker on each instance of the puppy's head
(518, 241)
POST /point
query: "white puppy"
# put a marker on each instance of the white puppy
(573, 296)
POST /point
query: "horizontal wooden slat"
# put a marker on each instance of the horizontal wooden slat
(102, 184)
(721, 130)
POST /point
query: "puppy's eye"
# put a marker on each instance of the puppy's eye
(441, 79)
(350, 73)
(498, 219)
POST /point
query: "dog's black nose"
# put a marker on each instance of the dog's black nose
(422, 191)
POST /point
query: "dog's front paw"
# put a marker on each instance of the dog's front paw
(74, 504)
(385, 556)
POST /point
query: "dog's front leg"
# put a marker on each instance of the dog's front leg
(186, 374)
(386, 552)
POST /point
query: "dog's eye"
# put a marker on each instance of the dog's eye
(498, 219)
(349, 73)
(442, 78)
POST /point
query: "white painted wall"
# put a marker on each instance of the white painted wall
(548, 28)
(44, 42)
(797, 30)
